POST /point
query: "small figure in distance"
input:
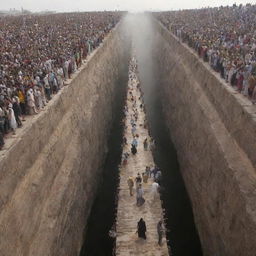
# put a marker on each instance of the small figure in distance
(124, 141)
(153, 172)
(155, 190)
(152, 144)
(158, 176)
(145, 144)
(125, 158)
(160, 232)
(147, 171)
(139, 196)
(134, 146)
(134, 150)
(145, 177)
(130, 183)
(138, 180)
(135, 142)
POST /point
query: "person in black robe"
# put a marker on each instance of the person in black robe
(134, 149)
(141, 229)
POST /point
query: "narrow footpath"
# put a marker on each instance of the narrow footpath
(128, 212)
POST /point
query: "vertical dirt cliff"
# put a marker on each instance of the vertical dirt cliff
(213, 129)
(50, 174)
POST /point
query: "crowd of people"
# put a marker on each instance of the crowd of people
(134, 123)
(38, 53)
(223, 36)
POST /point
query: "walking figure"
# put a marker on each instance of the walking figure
(130, 185)
(138, 180)
(145, 177)
(160, 232)
(133, 149)
(155, 190)
(145, 144)
(142, 229)
(139, 196)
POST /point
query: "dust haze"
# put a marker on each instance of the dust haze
(141, 30)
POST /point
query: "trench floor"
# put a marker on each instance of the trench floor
(128, 213)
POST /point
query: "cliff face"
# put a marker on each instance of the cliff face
(213, 129)
(49, 175)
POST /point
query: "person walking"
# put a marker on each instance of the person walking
(125, 157)
(152, 144)
(134, 142)
(124, 140)
(133, 149)
(133, 130)
(17, 110)
(147, 171)
(158, 176)
(130, 185)
(145, 177)
(138, 180)
(154, 190)
(153, 172)
(142, 229)
(139, 196)
(160, 232)
(145, 144)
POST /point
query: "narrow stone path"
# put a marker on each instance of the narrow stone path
(128, 213)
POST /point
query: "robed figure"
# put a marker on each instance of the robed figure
(141, 229)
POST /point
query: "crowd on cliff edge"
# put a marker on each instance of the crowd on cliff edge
(225, 37)
(38, 53)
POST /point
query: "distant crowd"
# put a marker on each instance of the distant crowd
(38, 53)
(225, 37)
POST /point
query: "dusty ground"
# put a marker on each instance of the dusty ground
(129, 214)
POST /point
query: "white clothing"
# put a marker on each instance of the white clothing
(38, 95)
(12, 119)
(31, 99)
(154, 189)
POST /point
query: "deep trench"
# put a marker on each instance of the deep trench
(102, 217)
(181, 234)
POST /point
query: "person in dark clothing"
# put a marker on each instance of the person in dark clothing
(138, 179)
(124, 141)
(17, 112)
(233, 79)
(142, 229)
(153, 172)
(134, 149)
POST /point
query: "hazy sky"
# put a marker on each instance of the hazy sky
(131, 5)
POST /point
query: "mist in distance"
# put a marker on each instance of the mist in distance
(102, 5)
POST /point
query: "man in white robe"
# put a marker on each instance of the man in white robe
(154, 190)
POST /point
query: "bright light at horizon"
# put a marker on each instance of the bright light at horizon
(102, 5)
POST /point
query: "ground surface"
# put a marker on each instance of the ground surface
(129, 213)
